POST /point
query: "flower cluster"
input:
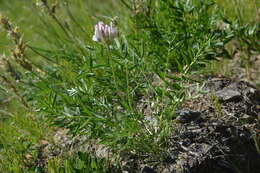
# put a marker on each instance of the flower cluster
(104, 33)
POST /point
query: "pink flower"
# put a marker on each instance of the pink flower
(104, 33)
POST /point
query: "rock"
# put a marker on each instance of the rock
(147, 169)
(228, 95)
(186, 116)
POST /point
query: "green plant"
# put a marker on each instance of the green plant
(80, 163)
(95, 89)
(181, 35)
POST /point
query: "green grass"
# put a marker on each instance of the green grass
(19, 135)
(106, 93)
(243, 10)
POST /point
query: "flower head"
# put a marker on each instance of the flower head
(104, 33)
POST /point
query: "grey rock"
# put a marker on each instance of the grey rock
(228, 95)
(186, 116)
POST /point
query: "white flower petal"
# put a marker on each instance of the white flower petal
(94, 38)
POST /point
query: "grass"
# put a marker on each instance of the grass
(245, 11)
(19, 134)
(123, 94)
